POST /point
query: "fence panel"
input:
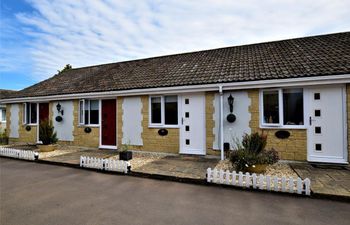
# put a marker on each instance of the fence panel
(104, 164)
(17, 153)
(278, 184)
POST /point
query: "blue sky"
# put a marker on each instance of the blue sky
(38, 37)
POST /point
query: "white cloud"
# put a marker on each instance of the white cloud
(89, 32)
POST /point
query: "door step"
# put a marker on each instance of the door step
(330, 166)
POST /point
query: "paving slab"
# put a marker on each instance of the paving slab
(74, 157)
(326, 180)
(179, 166)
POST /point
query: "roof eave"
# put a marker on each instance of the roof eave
(288, 82)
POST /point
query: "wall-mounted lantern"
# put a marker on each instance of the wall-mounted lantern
(59, 108)
(231, 117)
(60, 111)
(230, 102)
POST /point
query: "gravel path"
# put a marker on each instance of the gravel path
(278, 169)
(140, 159)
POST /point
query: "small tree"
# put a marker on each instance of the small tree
(46, 133)
(67, 67)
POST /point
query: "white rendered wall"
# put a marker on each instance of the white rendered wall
(232, 131)
(14, 127)
(132, 121)
(64, 128)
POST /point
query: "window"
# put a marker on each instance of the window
(81, 112)
(293, 110)
(156, 110)
(89, 112)
(2, 115)
(164, 110)
(170, 105)
(30, 115)
(271, 107)
(283, 107)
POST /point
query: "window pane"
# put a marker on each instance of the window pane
(81, 112)
(3, 115)
(33, 114)
(94, 109)
(27, 118)
(156, 110)
(87, 102)
(270, 101)
(171, 115)
(293, 107)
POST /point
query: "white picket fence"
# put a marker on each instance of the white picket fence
(104, 164)
(270, 183)
(17, 153)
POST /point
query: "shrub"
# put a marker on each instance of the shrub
(255, 143)
(251, 152)
(3, 137)
(243, 159)
(270, 156)
(3, 133)
(46, 133)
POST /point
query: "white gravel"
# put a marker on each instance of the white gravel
(61, 150)
(278, 169)
(140, 158)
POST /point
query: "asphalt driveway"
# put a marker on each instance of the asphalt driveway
(32, 193)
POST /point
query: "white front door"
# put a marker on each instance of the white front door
(192, 131)
(326, 124)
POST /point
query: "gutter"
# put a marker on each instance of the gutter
(289, 82)
(221, 123)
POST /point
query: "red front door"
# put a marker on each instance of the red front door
(43, 113)
(109, 123)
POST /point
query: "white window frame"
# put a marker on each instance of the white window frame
(25, 120)
(162, 114)
(280, 110)
(2, 119)
(88, 123)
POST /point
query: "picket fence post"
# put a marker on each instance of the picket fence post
(291, 185)
(240, 179)
(307, 186)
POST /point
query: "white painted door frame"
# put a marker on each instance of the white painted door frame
(192, 141)
(339, 136)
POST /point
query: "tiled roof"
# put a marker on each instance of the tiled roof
(4, 93)
(300, 57)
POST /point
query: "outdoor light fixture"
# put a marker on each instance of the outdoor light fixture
(230, 102)
(231, 117)
(59, 108)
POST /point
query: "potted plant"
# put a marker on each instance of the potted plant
(124, 153)
(251, 155)
(47, 136)
(3, 137)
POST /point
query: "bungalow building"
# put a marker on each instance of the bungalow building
(297, 91)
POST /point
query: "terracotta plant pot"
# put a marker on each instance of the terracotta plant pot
(46, 148)
(259, 168)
